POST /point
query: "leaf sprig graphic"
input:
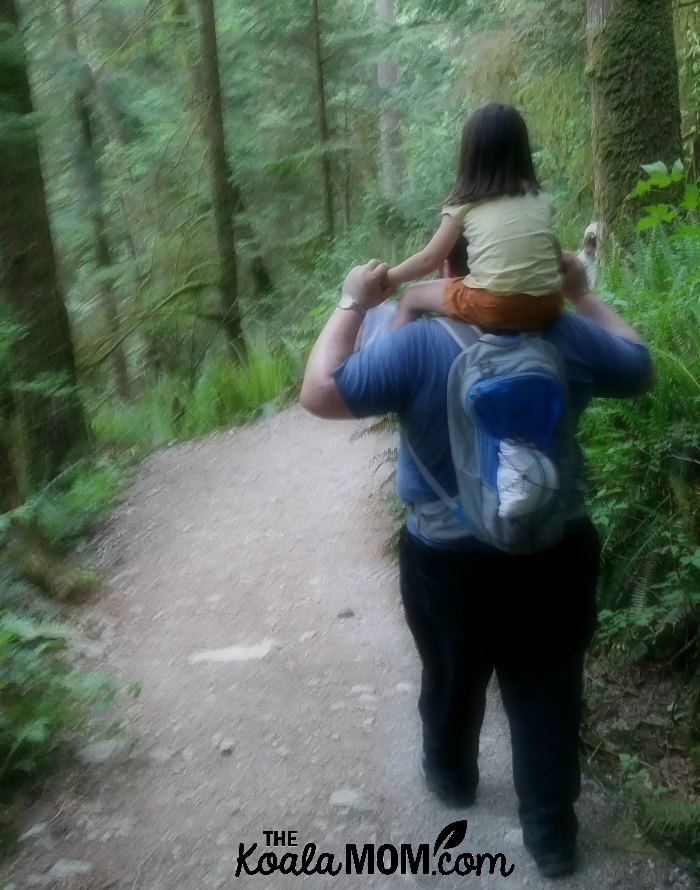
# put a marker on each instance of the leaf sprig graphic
(451, 835)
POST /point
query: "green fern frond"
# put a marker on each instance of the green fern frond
(642, 587)
(671, 820)
(386, 424)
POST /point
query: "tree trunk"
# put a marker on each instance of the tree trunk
(389, 125)
(222, 187)
(326, 176)
(42, 360)
(177, 12)
(94, 200)
(635, 102)
(10, 495)
(262, 281)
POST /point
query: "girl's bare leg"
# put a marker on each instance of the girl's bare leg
(419, 298)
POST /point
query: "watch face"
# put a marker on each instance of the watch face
(348, 302)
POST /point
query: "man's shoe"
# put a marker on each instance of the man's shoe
(557, 868)
(555, 865)
(451, 792)
(552, 842)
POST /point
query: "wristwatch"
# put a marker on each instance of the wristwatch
(348, 302)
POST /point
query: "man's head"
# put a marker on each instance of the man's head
(590, 239)
(590, 243)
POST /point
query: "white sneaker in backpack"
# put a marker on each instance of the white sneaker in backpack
(526, 479)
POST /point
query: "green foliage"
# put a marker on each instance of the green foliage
(664, 816)
(671, 820)
(224, 393)
(69, 507)
(645, 455)
(43, 701)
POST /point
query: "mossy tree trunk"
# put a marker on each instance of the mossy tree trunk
(635, 103)
(389, 124)
(42, 361)
(323, 128)
(93, 190)
(223, 197)
(177, 13)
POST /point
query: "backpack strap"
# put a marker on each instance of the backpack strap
(453, 505)
(465, 335)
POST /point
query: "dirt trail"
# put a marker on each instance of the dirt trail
(248, 547)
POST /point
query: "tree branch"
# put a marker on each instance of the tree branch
(186, 288)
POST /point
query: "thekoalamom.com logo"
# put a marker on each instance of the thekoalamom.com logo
(386, 859)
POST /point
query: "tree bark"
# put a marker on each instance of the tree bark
(10, 495)
(635, 101)
(177, 13)
(391, 162)
(42, 360)
(326, 175)
(223, 198)
(262, 281)
(94, 199)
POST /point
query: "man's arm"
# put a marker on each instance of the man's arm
(575, 288)
(319, 395)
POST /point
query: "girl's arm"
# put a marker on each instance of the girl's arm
(430, 258)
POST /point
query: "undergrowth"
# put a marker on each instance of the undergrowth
(644, 474)
(44, 700)
(223, 394)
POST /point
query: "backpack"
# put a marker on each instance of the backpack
(511, 439)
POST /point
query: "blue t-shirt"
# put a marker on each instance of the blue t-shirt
(406, 373)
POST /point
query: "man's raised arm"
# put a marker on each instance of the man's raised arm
(575, 287)
(364, 287)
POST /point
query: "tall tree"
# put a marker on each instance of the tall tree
(389, 124)
(42, 359)
(634, 80)
(223, 197)
(323, 130)
(93, 191)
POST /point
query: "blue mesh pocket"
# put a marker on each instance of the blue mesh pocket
(525, 407)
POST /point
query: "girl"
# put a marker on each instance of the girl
(514, 280)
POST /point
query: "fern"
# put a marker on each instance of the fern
(671, 820)
(645, 457)
(386, 424)
(642, 587)
(43, 700)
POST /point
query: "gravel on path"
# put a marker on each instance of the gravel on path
(248, 591)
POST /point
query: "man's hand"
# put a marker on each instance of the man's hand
(574, 283)
(575, 288)
(368, 284)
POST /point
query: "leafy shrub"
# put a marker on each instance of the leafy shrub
(645, 454)
(69, 506)
(42, 700)
(224, 393)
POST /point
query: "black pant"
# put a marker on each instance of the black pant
(529, 618)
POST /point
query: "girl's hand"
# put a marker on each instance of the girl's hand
(368, 285)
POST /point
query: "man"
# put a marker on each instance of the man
(588, 257)
(473, 609)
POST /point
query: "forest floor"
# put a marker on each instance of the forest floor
(248, 592)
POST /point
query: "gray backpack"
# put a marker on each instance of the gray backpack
(511, 439)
